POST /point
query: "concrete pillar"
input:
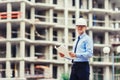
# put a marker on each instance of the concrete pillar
(32, 32)
(51, 15)
(32, 69)
(8, 64)
(33, 14)
(66, 23)
(66, 31)
(77, 14)
(77, 9)
(51, 52)
(106, 38)
(90, 20)
(51, 71)
(8, 70)
(22, 50)
(91, 35)
(91, 72)
(22, 69)
(22, 30)
(9, 10)
(51, 21)
(8, 50)
(85, 4)
(23, 9)
(107, 73)
(106, 4)
(32, 51)
(8, 26)
(22, 62)
(90, 4)
(107, 20)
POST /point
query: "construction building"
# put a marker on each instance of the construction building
(30, 29)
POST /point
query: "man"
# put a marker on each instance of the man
(82, 51)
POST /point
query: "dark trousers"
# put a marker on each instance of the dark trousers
(80, 71)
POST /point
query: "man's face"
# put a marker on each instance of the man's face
(80, 29)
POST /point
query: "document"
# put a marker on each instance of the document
(64, 50)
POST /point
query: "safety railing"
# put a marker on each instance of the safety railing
(103, 59)
(97, 76)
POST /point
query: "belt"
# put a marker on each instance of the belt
(79, 62)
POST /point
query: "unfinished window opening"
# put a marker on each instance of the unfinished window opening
(98, 3)
(14, 69)
(15, 32)
(98, 38)
(2, 70)
(27, 69)
(27, 33)
(40, 15)
(42, 69)
(95, 4)
(98, 20)
(73, 19)
(55, 71)
(40, 52)
(70, 48)
(71, 35)
(80, 3)
(2, 32)
(98, 73)
(54, 53)
(40, 34)
(58, 35)
(27, 51)
(55, 15)
(98, 55)
(2, 50)
(54, 1)
(55, 34)
(3, 10)
(40, 1)
(14, 50)
(73, 2)
(114, 38)
(16, 13)
(28, 14)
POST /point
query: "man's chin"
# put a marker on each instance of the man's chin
(80, 33)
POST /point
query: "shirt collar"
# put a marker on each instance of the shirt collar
(81, 36)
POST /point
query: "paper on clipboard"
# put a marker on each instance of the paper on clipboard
(64, 50)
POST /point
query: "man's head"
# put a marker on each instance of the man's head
(81, 25)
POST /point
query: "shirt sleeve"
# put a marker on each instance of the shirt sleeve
(88, 49)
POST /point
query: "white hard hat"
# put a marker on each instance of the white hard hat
(81, 21)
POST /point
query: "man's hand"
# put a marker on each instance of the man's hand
(62, 55)
(72, 54)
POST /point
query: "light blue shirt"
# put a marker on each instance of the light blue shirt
(84, 48)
